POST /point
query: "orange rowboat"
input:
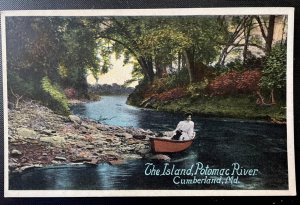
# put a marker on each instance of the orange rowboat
(167, 145)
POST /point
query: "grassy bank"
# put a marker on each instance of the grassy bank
(243, 107)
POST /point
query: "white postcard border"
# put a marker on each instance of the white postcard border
(161, 12)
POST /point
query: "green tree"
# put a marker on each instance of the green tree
(205, 33)
(274, 72)
(33, 50)
(56, 48)
(156, 41)
(81, 54)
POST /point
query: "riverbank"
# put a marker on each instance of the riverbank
(38, 137)
(241, 107)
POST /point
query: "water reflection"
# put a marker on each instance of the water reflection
(113, 110)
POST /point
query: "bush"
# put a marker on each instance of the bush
(172, 81)
(197, 89)
(173, 94)
(236, 83)
(19, 86)
(274, 71)
(71, 93)
(253, 62)
(235, 65)
(54, 98)
(248, 81)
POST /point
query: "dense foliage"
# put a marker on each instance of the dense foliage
(274, 71)
(49, 58)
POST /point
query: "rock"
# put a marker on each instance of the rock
(48, 132)
(139, 137)
(109, 140)
(102, 127)
(13, 165)
(34, 125)
(90, 147)
(25, 133)
(16, 152)
(89, 127)
(80, 144)
(13, 160)
(131, 142)
(92, 162)
(55, 162)
(60, 158)
(80, 137)
(97, 143)
(144, 151)
(117, 143)
(29, 167)
(56, 141)
(131, 156)
(161, 157)
(111, 153)
(83, 130)
(11, 106)
(12, 140)
(75, 119)
(116, 162)
(125, 135)
(130, 148)
(98, 136)
(81, 159)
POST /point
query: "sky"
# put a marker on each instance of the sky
(118, 74)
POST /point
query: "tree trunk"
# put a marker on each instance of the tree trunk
(261, 99)
(179, 61)
(188, 66)
(269, 39)
(147, 68)
(18, 98)
(150, 69)
(247, 30)
(223, 56)
(161, 70)
(273, 102)
(196, 70)
(283, 36)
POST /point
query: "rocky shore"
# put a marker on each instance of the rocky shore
(38, 137)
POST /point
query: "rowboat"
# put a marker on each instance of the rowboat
(166, 145)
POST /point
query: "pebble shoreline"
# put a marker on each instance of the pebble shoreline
(38, 137)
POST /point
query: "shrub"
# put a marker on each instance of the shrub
(253, 62)
(248, 81)
(173, 94)
(197, 89)
(70, 93)
(236, 64)
(274, 71)
(235, 83)
(54, 98)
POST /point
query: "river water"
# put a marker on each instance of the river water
(221, 144)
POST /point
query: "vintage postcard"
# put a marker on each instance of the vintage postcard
(148, 102)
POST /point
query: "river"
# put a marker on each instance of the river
(220, 144)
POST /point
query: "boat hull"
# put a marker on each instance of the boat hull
(161, 145)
